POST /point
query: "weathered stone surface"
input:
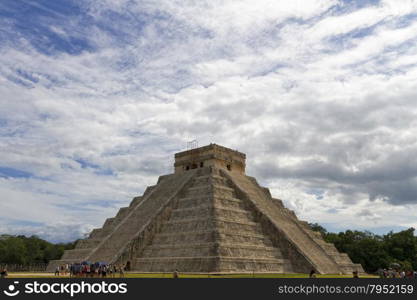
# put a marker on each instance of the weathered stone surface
(209, 217)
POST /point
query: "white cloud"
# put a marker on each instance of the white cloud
(271, 78)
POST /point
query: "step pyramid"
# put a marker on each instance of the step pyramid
(209, 217)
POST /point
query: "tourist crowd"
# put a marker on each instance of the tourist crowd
(392, 273)
(87, 269)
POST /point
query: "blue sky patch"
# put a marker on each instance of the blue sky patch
(44, 24)
(97, 169)
(7, 172)
(86, 164)
(350, 5)
(26, 223)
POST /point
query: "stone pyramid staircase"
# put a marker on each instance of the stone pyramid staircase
(211, 231)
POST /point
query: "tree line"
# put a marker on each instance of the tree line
(374, 251)
(22, 250)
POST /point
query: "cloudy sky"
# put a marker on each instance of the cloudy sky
(97, 96)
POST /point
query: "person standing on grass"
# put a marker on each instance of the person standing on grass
(312, 274)
(92, 270)
(121, 272)
(57, 271)
(175, 274)
(87, 270)
(3, 273)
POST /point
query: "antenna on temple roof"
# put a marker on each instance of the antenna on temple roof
(192, 144)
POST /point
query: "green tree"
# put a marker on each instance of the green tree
(30, 250)
(402, 246)
(373, 251)
(14, 251)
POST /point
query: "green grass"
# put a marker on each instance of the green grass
(138, 275)
(169, 275)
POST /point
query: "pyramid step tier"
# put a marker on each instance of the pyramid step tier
(216, 190)
(88, 243)
(212, 235)
(235, 214)
(210, 249)
(214, 263)
(209, 223)
(77, 255)
(216, 200)
(209, 179)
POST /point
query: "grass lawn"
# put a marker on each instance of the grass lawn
(169, 275)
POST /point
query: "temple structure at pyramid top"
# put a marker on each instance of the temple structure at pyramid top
(212, 155)
(209, 216)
